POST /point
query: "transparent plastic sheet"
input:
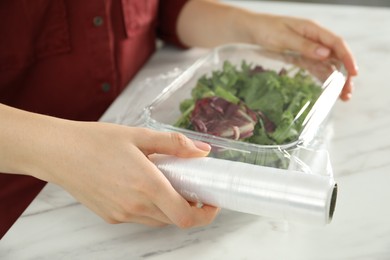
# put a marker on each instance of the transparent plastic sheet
(265, 191)
(134, 109)
(304, 116)
(291, 182)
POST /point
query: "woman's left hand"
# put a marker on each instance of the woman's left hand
(283, 33)
(208, 23)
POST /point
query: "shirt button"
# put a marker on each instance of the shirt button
(97, 21)
(106, 87)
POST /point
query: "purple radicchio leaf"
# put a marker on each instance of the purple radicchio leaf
(216, 116)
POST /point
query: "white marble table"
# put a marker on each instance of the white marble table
(55, 226)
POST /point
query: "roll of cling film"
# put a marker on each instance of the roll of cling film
(270, 192)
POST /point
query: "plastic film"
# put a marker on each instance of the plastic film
(265, 191)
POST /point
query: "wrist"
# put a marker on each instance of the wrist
(26, 141)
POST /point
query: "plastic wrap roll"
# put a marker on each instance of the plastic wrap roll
(264, 191)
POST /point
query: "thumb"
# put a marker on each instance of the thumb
(171, 143)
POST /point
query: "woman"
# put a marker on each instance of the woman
(61, 65)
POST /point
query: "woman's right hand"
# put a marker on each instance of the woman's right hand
(106, 167)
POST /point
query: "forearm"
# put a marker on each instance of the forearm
(208, 23)
(24, 140)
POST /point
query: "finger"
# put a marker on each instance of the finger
(133, 212)
(211, 210)
(148, 222)
(204, 215)
(159, 190)
(194, 216)
(311, 48)
(340, 49)
(144, 208)
(323, 42)
(306, 47)
(183, 214)
(179, 211)
(346, 93)
(170, 143)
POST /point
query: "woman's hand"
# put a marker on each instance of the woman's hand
(113, 176)
(283, 33)
(208, 23)
(104, 166)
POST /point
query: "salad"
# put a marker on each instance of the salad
(250, 103)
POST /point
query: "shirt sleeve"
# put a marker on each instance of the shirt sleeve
(168, 14)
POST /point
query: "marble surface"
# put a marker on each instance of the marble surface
(55, 226)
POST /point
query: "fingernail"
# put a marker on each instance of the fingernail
(322, 52)
(346, 96)
(202, 146)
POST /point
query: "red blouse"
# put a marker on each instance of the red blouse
(71, 59)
